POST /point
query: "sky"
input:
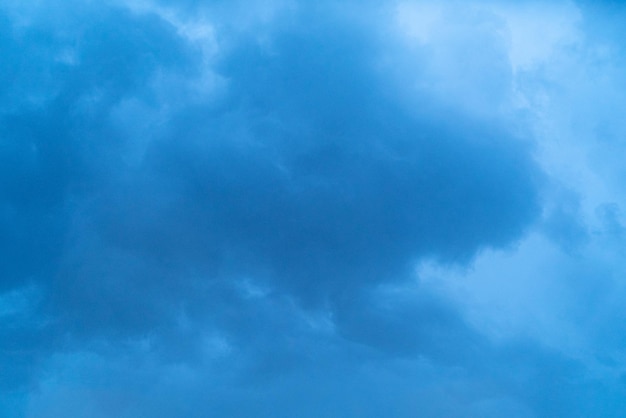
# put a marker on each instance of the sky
(285, 208)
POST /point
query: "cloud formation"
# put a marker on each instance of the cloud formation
(231, 210)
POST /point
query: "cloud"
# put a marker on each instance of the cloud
(305, 174)
(226, 210)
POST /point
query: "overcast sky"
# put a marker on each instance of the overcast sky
(289, 208)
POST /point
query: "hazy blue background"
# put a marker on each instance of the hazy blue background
(285, 208)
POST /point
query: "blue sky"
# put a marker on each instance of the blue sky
(281, 208)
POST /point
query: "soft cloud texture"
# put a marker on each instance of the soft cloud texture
(281, 209)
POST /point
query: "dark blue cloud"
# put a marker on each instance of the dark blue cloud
(251, 248)
(310, 171)
(307, 175)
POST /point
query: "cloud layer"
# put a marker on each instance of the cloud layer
(280, 209)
